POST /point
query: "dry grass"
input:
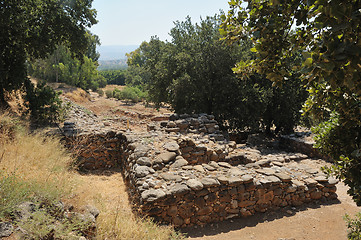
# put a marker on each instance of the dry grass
(111, 87)
(34, 157)
(116, 219)
(78, 96)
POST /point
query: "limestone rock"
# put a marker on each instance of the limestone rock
(179, 163)
(24, 210)
(142, 171)
(179, 189)
(247, 178)
(171, 177)
(6, 229)
(171, 146)
(209, 182)
(144, 161)
(223, 179)
(167, 157)
(332, 181)
(199, 168)
(224, 164)
(283, 176)
(152, 195)
(321, 179)
(92, 210)
(194, 184)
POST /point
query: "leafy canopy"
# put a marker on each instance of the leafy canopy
(61, 66)
(193, 73)
(328, 32)
(33, 28)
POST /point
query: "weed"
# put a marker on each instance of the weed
(354, 226)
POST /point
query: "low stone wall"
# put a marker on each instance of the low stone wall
(194, 124)
(195, 178)
(185, 194)
(298, 144)
(97, 152)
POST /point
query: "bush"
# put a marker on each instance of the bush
(43, 103)
(100, 92)
(354, 227)
(129, 93)
(117, 94)
(109, 93)
(132, 94)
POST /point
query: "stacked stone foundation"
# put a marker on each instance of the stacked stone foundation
(186, 179)
(97, 152)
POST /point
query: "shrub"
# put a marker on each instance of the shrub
(132, 94)
(117, 94)
(100, 92)
(109, 93)
(43, 103)
(129, 93)
(354, 227)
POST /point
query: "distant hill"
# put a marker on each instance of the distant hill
(115, 52)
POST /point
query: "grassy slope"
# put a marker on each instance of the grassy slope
(41, 167)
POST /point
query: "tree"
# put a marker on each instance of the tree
(60, 66)
(194, 74)
(114, 76)
(328, 33)
(31, 29)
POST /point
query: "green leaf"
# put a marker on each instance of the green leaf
(308, 62)
(253, 49)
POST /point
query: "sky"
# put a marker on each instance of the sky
(130, 22)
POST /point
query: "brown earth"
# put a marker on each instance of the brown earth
(314, 221)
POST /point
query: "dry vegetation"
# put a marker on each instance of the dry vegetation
(42, 163)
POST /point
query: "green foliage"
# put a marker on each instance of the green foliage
(327, 33)
(60, 66)
(194, 74)
(112, 65)
(109, 93)
(100, 92)
(116, 77)
(354, 227)
(32, 29)
(43, 103)
(132, 94)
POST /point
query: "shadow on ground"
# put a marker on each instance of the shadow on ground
(212, 229)
(100, 172)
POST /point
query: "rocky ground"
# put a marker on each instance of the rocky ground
(312, 221)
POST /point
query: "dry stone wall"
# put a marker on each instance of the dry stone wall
(298, 143)
(184, 193)
(97, 152)
(183, 172)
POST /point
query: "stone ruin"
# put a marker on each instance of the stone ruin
(183, 171)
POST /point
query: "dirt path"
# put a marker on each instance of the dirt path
(311, 222)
